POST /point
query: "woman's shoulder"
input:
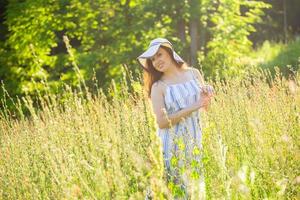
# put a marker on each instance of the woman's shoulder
(196, 73)
(158, 87)
(192, 69)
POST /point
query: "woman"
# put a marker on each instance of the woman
(177, 94)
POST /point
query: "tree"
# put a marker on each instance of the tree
(232, 24)
(104, 35)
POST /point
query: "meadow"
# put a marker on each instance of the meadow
(100, 146)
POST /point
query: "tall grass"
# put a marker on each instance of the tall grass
(72, 146)
(251, 140)
(77, 148)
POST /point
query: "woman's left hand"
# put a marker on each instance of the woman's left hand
(208, 90)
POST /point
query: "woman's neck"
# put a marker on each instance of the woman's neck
(174, 73)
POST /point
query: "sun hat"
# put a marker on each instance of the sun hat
(153, 48)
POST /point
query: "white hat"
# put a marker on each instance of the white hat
(153, 48)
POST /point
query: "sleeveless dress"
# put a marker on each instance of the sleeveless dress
(182, 142)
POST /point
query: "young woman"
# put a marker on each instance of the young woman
(177, 94)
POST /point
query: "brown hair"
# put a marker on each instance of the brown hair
(151, 75)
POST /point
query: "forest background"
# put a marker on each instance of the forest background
(222, 38)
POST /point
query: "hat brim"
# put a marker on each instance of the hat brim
(151, 51)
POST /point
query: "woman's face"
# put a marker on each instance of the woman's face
(162, 60)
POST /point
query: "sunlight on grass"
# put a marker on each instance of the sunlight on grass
(271, 54)
(72, 146)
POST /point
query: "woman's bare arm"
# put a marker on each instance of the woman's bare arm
(206, 93)
(162, 118)
(198, 75)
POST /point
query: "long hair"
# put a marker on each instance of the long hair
(151, 75)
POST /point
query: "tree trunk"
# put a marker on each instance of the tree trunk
(181, 30)
(182, 36)
(194, 41)
(285, 21)
(194, 30)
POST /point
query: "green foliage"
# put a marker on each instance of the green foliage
(28, 45)
(281, 55)
(233, 22)
(273, 27)
(275, 55)
(104, 35)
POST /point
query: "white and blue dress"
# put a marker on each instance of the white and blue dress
(181, 143)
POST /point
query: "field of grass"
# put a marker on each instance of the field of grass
(95, 147)
(270, 54)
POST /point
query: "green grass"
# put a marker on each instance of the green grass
(270, 54)
(95, 147)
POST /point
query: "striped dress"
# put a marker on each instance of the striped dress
(182, 142)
